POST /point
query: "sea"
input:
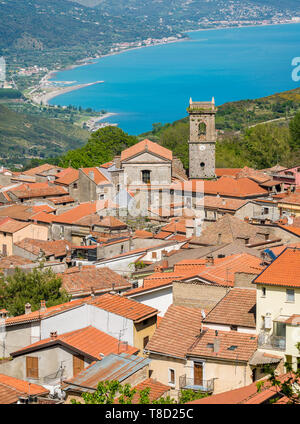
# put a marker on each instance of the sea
(154, 84)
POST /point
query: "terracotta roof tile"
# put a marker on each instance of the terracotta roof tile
(78, 281)
(292, 199)
(146, 145)
(232, 345)
(39, 169)
(283, 271)
(143, 234)
(225, 186)
(27, 191)
(12, 388)
(157, 390)
(74, 214)
(67, 176)
(12, 226)
(55, 247)
(61, 199)
(13, 261)
(43, 217)
(291, 229)
(120, 305)
(98, 177)
(40, 314)
(237, 307)
(19, 212)
(176, 332)
(111, 222)
(243, 395)
(88, 340)
(228, 172)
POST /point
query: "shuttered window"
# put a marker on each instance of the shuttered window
(32, 367)
(78, 364)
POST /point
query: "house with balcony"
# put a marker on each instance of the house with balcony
(278, 307)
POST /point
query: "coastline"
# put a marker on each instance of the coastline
(45, 97)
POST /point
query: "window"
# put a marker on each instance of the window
(202, 165)
(202, 128)
(290, 295)
(233, 347)
(122, 248)
(266, 211)
(263, 292)
(154, 255)
(145, 341)
(32, 367)
(233, 327)
(172, 376)
(101, 196)
(75, 185)
(146, 176)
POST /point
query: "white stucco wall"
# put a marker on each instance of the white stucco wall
(160, 299)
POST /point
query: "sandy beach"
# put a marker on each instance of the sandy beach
(49, 92)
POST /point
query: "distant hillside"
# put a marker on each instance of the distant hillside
(26, 135)
(62, 31)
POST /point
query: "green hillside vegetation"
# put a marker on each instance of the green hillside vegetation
(240, 142)
(101, 147)
(10, 93)
(24, 135)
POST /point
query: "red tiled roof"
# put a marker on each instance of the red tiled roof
(176, 332)
(27, 191)
(162, 235)
(98, 177)
(225, 186)
(88, 340)
(283, 271)
(39, 169)
(146, 145)
(143, 234)
(76, 281)
(279, 249)
(12, 388)
(157, 390)
(243, 395)
(291, 229)
(223, 272)
(292, 199)
(110, 222)
(11, 226)
(13, 261)
(232, 345)
(67, 176)
(237, 307)
(43, 217)
(120, 305)
(228, 172)
(40, 314)
(62, 199)
(55, 247)
(74, 214)
(223, 203)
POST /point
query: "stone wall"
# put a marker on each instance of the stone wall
(198, 295)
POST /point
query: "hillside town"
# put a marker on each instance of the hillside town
(176, 280)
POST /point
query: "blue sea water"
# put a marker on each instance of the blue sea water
(154, 84)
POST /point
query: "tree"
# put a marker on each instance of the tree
(295, 131)
(101, 147)
(266, 145)
(22, 288)
(109, 392)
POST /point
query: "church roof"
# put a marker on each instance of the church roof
(146, 145)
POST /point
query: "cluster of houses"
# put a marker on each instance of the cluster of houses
(175, 283)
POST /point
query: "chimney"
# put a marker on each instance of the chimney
(92, 292)
(117, 160)
(113, 289)
(158, 268)
(210, 261)
(53, 335)
(27, 308)
(223, 202)
(216, 342)
(123, 347)
(79, 266)
(43, 305)
(164, 264)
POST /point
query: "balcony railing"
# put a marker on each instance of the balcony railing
(271, 341)
(191, 383)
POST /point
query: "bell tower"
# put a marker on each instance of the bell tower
(202, 142)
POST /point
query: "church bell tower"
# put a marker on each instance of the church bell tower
(202, 142)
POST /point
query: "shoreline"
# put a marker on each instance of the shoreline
(89, 61)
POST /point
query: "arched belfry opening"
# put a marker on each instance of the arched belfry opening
(202, 129)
